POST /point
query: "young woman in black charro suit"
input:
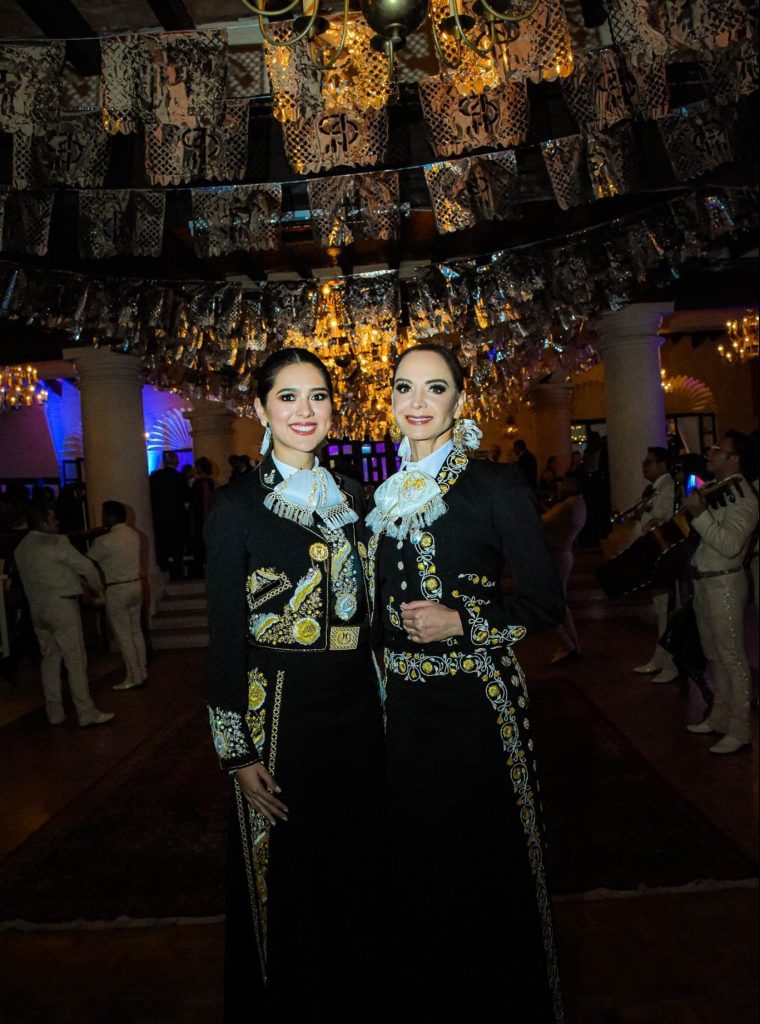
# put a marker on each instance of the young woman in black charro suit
(472, 924)
(295, 715)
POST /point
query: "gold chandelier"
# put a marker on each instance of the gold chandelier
(463, 31)
(743, 341)
(20, 388)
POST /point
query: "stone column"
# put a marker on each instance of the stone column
(630, 350)
(113, 440)
(551, 418)
(211, 427)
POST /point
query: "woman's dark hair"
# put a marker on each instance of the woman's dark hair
(267, 372)
(446, 355)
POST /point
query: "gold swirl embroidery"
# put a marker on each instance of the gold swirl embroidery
(414, 666)
(393, 614)
(299, 621)
(452, 469)
(305, 587)
(263, 584)
(482, 634)
(430, 583)
(255, 716)
(370, 569)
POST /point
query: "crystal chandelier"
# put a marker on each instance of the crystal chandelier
(464, 32)
(359, 357)
(742, 339)
(20, 388)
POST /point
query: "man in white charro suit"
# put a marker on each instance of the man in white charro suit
(118, 555)
(51, 571)
(720, 590)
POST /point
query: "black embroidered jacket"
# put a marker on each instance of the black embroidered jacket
(274, 587)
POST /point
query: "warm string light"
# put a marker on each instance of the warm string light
(743, 342)
(20, 388)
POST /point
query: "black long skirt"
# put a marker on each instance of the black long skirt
(324, 880)
(471, 931)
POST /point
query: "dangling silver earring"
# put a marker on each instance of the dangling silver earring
(266, 441)
(467, 434)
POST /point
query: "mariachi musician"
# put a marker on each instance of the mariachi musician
(720, 589)
(657, 509)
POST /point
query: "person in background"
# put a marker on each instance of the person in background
(596, 489)
(547, 486)
(659, 508)
(200, 505)
(51, 572)
(526, 462)
(495, 453)
(576, 462)
(236, 467)
(720, 590)
(118, 555)
(168, 495)
(70, 508)
(563, 522)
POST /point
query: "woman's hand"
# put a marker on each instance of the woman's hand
(428, 621)
(258, 788)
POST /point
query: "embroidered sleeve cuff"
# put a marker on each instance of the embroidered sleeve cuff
(232, 741)
(231, 769)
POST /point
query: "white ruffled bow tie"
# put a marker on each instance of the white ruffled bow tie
(408, 500)
(310, 492)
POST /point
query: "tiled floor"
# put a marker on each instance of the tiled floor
(655, 957)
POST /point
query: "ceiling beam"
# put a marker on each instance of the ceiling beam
(172, 14)
(61, 20)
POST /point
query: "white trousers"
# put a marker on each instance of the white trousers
(123, 607)
(662, 658)
(58, 626)
(719, 608)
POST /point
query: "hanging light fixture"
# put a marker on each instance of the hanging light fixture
(20, 388)
(463, 31)
(743, 343)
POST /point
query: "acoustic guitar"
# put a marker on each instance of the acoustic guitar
(656, 559)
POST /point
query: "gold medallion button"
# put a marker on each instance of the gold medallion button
(319, 552)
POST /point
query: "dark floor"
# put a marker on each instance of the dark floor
(684, 956)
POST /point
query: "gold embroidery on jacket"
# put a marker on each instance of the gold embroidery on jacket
(482, 634)
(264, 584)
(254, 827)
(299, 621)
(228, 733)
(430, 583)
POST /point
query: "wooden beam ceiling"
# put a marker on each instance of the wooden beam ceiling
(62, 20)
(172, 14)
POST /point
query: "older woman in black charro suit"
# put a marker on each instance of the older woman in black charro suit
(472, 929)
(295, 716)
